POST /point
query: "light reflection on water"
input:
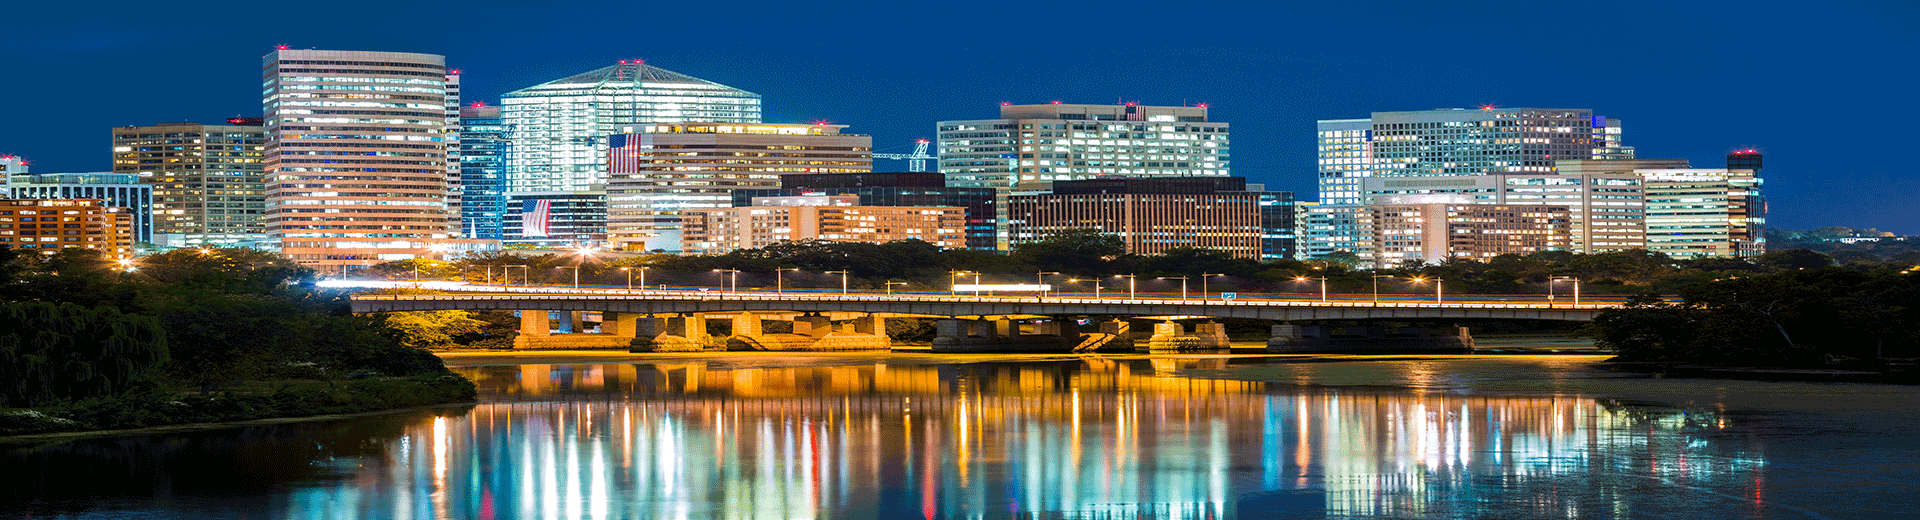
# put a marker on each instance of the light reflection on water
(1091, 438)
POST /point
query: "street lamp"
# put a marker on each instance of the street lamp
(734, 276)
(953, 282)
(1203, 283)
(1183, 285)
(1323, 285)
(843, 280)
(1576, 289)
(890, 285)
(1096, 285)
(779, 279)
(629, 270)
(1376, 286)
(1439, 290)
(1131, 295)
(576, 274)
(1040, 279)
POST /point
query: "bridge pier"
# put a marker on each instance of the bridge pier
(1171, 335)
(811, 332)
(1003, 335)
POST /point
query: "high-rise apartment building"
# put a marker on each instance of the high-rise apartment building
(483, 175)
(1153, 215)
(838, 218)
(208, 180)
(456, 188)
(1694, 213)
(357, 155)
(659, 170)
(1457, 141)
(113, 190)
(558, 130)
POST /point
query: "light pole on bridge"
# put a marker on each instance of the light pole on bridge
(733, 276)
(525, 275)
(1131, 295)
(843, 280)
(1096, 285)
(1040, 279)
(1203, 283)
(1183, 286)
(1439, 290)
(1376, 286)
(1576, 289)
(1323, 285)
(780, 280)
(890, 285)
(576, 274)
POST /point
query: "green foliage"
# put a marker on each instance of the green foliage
(51, 352)
(414, 268)
(287, 400)
(1797, 317)
(429, 329)
(1080, 252)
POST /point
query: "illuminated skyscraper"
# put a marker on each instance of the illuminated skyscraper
(558, 130)
(483, 177)
(208, 179)
(1458, 141)
(357, 167)
(1031, 146)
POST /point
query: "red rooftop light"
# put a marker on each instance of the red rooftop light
(454, 71)
(1203, 105)
(280, 47)
(1056, 101)
(1489, 107)
(1006, 103)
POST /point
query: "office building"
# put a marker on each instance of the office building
(483, 176)
(1433, 233)
(555, 219)
(1326, 230)
(558, 130)
(115, 190)
(209, 186)
(1153, 215)
(1449, 142)
(456, 189)
(838, 218)
(657, 171)
(1029, 147)
(357, 168)
(48, 225)
(1707, 212)
(917, 189)
(1606, 211)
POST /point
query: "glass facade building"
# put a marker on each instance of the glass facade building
(483, 176)
(558, 130)
(114, 190)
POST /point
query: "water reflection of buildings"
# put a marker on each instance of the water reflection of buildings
(1093, 439)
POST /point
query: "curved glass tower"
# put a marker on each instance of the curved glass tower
(558, 130)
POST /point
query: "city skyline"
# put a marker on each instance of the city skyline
(1692, 82)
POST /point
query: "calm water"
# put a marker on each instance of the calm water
(1094, 437)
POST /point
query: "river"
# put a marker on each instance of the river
(743, 435)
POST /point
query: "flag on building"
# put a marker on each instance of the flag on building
(535, 214)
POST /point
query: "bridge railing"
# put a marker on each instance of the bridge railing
(545, 293)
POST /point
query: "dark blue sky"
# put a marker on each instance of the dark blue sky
(1822, 88)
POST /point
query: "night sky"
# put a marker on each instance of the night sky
(1821, 88)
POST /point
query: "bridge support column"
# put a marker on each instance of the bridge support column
(1212, 335)
(812, 326)
(578, 320)
(622, 323)
(687, 333)
(534, 323)
(863, 333)
(1368, 339)
(1168, 335)
(1114, 336)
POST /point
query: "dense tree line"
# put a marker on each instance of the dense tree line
(76, 328)
(1857, 314)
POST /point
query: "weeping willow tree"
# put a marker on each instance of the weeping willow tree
(56, 352)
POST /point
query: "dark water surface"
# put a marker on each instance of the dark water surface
(746, 436)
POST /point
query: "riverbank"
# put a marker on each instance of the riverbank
(265, 401)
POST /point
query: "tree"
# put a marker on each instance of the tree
(1074, 251)
(429, 329)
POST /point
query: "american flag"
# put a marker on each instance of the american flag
(534, 215)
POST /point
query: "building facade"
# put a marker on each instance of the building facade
(1031, 146)
(557, 131)
(1436, 232)
(483, 176)
(209, 186)
(1458, 141)
(1151, 215)
(113, 190)
(357, 167)
(555, 219)
(919, 189)
(658, 171)
(1606, 211)
(48, 225)
(839, 218)
(1694, 213)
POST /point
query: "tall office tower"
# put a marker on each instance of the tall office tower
(1748, 159)
(117, 190)
(1031, 146)
(483, 176)
(1153, 215)
(659, 170)
(456, 190)
(356, 155)
(1457, 142)
(558, 130)
(919, 189)
(208, 180)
